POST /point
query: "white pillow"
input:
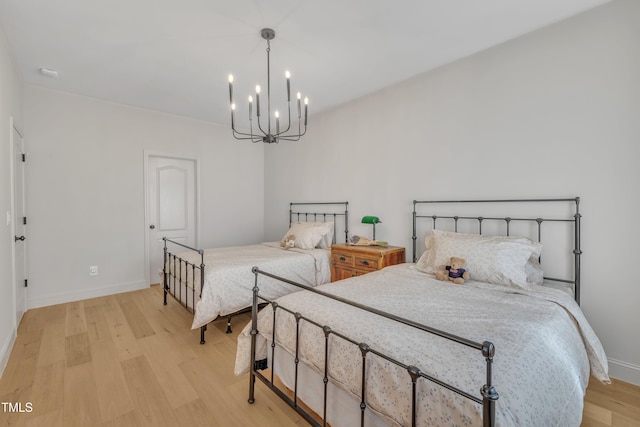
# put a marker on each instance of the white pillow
(426, 259)
(327, 239)
(503, 260)
(309, 235)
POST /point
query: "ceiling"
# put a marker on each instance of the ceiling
(174, 56)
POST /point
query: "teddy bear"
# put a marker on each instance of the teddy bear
(288, 242)
(453, 272)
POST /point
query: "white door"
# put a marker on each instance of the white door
(171, 190)
(19, 225)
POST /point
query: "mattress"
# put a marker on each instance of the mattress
(545, 348)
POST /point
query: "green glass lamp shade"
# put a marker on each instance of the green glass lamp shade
(369, 219)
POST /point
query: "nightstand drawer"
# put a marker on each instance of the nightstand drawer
(342, 260)
(367, 263)
(352, 260)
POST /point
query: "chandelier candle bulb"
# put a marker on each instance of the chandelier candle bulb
(299, 111)
(250, 106)
(258, 100)
(230, 88)
(287, 74)
(306, 104)
(277, 122)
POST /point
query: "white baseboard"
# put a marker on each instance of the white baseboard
(62, 298)
(5, 351)
(624, 371)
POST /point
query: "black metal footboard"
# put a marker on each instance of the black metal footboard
(180, 279)
(487, 397)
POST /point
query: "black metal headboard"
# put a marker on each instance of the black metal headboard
(304, 212)
(571, 216)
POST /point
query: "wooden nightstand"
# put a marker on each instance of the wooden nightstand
(350, 260)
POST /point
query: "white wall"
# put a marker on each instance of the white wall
(555, 113)
(85, 190)
(10, 106)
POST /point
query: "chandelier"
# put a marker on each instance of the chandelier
(264, 131)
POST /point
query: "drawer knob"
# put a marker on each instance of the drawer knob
(365, 262)
(342, 258)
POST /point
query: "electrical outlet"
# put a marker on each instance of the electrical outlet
(93, 270)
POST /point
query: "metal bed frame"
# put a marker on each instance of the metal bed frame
(175, 285)
(488, 394)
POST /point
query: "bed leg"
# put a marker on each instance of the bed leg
(202, 330)
(229, 325)
(165, 287)
(252, 384)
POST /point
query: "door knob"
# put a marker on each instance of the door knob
(16, 238)
(152, 226)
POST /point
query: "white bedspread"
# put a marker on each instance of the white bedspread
(229, 281)
(545, 348)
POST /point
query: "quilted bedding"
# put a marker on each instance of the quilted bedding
(228, 281)
(545, 348)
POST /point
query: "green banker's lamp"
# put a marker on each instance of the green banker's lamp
(373, 220)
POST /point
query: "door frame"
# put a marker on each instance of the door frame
(147, 221)
(12, 170)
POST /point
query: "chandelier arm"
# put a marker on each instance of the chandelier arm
(289, 120)
(305, 131)
(243, 137)
(260, 126)
(236, 132)
(258, 116)
(246, 136)
(238, 135)
(293, 137)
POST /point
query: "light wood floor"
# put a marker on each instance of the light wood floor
(127, 360)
